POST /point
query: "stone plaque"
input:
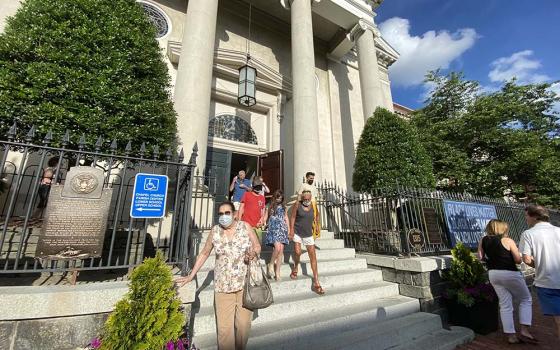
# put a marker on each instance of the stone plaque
(432, 227)
(75, 220)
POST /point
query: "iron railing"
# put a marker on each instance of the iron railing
(387, 221)
(127, 240)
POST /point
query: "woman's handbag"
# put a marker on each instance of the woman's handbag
(256, 294)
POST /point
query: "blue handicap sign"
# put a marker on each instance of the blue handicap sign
(149, 196)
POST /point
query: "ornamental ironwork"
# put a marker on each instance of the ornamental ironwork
(232, 127)
(157, 18)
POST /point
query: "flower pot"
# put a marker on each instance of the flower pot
(482, 317)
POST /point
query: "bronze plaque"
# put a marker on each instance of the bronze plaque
(75, 220)
(432, 227)
(416, 239)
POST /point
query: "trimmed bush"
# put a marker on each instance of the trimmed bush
(150, 315)
(390, 153)
(91, 67)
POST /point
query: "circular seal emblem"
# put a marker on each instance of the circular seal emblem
(84, 183)
(416, 239)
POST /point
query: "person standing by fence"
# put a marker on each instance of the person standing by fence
(540, 246)
(501, 256)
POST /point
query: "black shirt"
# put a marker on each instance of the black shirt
(497, 257)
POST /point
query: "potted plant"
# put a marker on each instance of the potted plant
(471, 300)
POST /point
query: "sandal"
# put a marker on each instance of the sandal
(529, 340)
(293, 275)
(318, 289)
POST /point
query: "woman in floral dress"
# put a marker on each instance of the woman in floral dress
(235, 244)
(277, 235)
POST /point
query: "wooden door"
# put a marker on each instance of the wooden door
(271, 168)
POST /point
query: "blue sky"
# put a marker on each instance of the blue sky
(489, 40)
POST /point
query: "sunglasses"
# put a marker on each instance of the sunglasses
(224, 213)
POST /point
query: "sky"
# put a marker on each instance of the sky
(491, 41)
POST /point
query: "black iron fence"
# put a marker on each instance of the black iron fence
(28, 171)
(404, 220)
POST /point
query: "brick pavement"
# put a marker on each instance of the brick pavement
(543, 329)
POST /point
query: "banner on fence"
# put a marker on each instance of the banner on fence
(466, 221)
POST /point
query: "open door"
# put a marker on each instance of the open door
(271, 168)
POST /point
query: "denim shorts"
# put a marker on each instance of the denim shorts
(549, 300)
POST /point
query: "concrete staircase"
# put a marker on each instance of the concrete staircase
(358, 311)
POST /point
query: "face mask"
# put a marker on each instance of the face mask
(257, 188)
(310, 182)
(306, 203)
(279, 200)
(225, 220)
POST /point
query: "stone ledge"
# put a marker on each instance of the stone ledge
(416, 264)
(35, 302)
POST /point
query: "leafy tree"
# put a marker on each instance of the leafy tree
(150, 315)
(91, 67)
(494, 144)
(390, 153)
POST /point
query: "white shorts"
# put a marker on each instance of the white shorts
(305, 241)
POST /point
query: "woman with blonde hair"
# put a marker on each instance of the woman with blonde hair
(501, 255)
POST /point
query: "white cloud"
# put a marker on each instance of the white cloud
(420, 54)
(521, 65)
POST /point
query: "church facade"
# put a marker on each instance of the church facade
(321, 70)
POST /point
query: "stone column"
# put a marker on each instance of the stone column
(194, 77)
(306, 121)
(370, 86)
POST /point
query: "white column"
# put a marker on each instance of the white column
(372, 95)
(194, 77)
(306, 122)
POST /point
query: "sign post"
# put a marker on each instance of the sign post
(149, 196)
(467, 221)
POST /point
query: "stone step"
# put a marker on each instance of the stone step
(206, 273)
(303, 283)
(291, 306)
(441, 339)
(199, 238)
(322, 255)
(322, 328)
(319, 244)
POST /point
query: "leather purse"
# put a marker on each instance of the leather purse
(257, 294)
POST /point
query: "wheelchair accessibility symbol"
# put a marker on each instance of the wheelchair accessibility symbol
(151, 184)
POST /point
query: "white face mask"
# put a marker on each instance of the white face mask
(306, 203)
(225, 220)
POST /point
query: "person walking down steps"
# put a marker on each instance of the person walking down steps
(277, 235)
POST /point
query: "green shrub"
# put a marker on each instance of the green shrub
(389, 153)
(150, 315)
(468, 281)
(91, 67)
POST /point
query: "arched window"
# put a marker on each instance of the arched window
(157, 17)
(231, 127)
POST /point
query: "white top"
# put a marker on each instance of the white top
(542, 242)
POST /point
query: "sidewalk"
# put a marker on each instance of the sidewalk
(543, 329)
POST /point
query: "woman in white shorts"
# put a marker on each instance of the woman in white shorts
(301, 232)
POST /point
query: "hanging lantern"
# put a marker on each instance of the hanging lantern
(247, 89)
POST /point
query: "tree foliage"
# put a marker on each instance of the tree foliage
(91, 67)
(150, 315)
(494, 144)
(389, 153)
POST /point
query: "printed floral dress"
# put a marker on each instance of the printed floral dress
(277, 228)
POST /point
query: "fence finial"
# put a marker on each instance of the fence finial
(155, 151)
(48, 138)
(128, 148)
(142, 149)
(168, 154)
(194, 154)
(113, 146)
(181, 155)
(82, 142)
(98, 144)
(12, 132)
(30, 135)
(66, 138)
